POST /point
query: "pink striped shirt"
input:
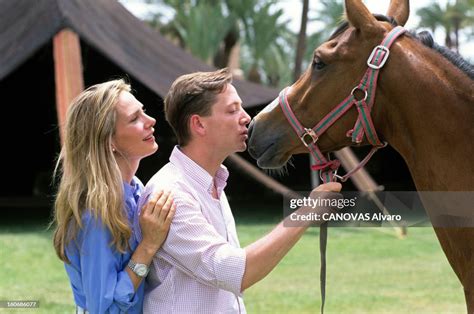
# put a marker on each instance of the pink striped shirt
(200, 266)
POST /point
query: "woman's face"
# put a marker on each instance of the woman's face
(133, 138)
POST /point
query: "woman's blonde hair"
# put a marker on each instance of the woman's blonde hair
(90, 178)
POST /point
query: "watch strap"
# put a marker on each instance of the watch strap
(133, 266)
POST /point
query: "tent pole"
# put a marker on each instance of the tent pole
(365, 183)
(67, 73)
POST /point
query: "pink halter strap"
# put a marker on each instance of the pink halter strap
(364, 124)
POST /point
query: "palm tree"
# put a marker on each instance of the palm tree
(266, 39)
(456, 16)
(187, 27)
(434, 17)
(262, 39)
(210, 29)
(329, 14)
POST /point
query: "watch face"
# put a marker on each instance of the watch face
(141, 269)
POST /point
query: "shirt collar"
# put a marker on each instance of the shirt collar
(198, 174)
(133, 189)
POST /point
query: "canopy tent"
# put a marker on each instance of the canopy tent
(119, 37)
(107, 26)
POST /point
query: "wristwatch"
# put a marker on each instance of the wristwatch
(141, 270)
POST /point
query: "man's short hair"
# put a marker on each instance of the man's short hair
(191, 94)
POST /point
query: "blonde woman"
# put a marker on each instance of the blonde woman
(107, 134)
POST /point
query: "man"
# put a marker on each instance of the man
(201, 267)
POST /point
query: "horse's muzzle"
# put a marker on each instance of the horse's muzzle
(251, 147)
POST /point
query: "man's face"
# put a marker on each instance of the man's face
(226, 127)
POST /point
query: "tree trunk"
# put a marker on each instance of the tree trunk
(254, 75)
(457, 26)
(301, 45)
(448, 41)
(222, 58)
(234, 62)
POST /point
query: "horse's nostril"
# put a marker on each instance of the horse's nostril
(250, 129)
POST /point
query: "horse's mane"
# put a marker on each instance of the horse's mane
(426, 39)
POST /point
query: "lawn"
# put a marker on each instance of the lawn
(369, 271)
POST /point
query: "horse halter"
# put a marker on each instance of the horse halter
(363, 125)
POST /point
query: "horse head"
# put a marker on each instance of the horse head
(422, 105)
(337, 67)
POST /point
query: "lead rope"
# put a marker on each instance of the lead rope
(323, 240)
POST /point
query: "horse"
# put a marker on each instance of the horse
(422, 104)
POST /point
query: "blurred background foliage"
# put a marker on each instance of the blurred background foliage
(253, 37)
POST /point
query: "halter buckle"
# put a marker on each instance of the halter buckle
(382, 62)
(309, 132)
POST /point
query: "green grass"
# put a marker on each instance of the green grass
(368, 272)
(30, 270)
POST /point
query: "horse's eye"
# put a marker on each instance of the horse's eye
(318, 64)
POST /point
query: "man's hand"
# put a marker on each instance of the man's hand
(324, 194)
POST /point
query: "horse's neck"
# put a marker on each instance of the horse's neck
(429, 119)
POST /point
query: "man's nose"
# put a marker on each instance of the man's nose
(246, 118)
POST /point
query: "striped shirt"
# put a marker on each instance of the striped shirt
(200, 266)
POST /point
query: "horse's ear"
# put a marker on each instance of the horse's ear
(359, 16)
(399, 10)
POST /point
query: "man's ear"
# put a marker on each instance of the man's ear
(197, 126)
